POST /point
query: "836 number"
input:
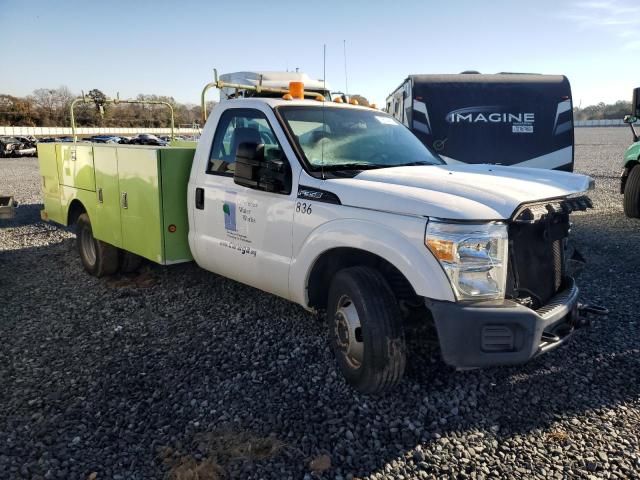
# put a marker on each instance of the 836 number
(303, 207)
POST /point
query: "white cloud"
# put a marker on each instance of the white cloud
(620, 18)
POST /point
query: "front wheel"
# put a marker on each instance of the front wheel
(365, 328)
(98, 258)
(632, 193)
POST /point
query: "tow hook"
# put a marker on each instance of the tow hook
(586, 313)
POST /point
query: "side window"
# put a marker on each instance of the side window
(237, 126)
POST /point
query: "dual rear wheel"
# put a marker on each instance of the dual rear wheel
(100, 258)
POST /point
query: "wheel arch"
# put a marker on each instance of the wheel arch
(330, 247)
(335, 259)
(75, 209)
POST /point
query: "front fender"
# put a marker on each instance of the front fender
(408, 254)
(632, 154)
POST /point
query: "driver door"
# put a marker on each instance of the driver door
(244, 233)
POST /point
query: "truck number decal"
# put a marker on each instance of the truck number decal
(303, 207)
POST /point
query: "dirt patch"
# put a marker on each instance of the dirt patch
(212, 452)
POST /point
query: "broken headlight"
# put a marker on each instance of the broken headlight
(474, 257)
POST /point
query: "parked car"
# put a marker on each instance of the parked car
(29, 140)
(103, 139)
(14, 147)
(148, 139)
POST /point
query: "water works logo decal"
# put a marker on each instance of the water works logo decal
(521, 122)
(229, 209)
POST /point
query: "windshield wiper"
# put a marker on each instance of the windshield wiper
(352, 166)
(413, 164)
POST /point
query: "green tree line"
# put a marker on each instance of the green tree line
(50, 108)
(603, 111)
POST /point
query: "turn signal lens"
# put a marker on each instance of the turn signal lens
(442, 249)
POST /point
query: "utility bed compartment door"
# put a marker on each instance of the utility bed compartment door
(107, 209)
(75, 166)
(50, 182)
(140, 212)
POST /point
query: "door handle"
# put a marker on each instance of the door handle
(100, 199)
(200, 198)
(124, 202)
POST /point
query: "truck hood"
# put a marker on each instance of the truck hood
(457, 192)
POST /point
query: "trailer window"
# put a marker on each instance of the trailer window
(237, 126)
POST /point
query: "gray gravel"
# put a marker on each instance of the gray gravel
(111, 376)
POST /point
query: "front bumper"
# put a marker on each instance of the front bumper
(503, 332)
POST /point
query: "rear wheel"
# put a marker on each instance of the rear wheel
(632, 193)
(98, 258)
(365, 328)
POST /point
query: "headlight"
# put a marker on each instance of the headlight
(473, 256)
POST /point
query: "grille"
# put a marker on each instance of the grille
(536, 259)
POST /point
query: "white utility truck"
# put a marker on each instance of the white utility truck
(341, 209)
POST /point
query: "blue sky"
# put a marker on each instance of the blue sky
(171, 48)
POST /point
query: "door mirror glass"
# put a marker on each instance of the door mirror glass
(630, 119)
(254, 169)
(249, 160)
(635, 102)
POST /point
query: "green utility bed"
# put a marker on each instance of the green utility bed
(135, 196)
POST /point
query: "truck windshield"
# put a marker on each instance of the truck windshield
(338, 138)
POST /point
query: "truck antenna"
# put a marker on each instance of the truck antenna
(346, 78)
(324, 92)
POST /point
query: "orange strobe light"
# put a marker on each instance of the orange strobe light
(296, 89)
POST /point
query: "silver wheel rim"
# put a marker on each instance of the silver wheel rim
(348, 332)
(88, 246)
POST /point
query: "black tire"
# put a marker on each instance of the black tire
(98, 258)
(379, 341)
(129, 262)
(632, 193)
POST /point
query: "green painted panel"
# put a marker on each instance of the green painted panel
(175, 170)
(85, 197)
(140, 213)
(184, 143)
(632, 153)
(107, 197)
(50, 182)
(76, 166)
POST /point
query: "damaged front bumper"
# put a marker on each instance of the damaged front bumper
(504, 332)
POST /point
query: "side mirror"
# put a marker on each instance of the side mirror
(629, 119)
(635, 102)
(255, 171)
(249, 160)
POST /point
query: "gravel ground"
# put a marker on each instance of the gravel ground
(177, 371)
